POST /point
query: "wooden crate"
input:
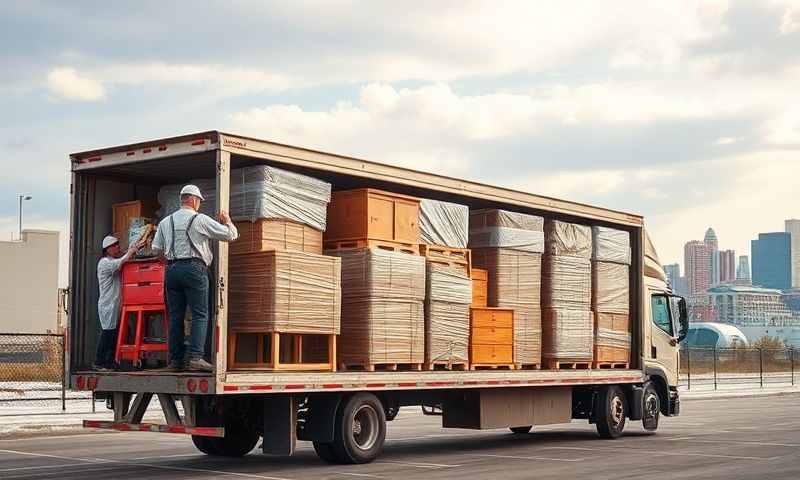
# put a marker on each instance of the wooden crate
(122, 213)
(281, 351)
(460, 258)
(480, 287)
(491, 337)
(612, 340)
(368, 214)
(276, 234)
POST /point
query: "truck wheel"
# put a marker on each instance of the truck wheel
(610, 412)
(521, 430)
(203, 444)
(360, 429)
(237, 442)
(325, 452)
(651, 408)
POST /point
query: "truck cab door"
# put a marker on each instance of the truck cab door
(663, 338)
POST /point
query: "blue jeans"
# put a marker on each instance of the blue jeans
(186, 283)
(106, 348)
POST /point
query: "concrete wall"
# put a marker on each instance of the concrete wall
(29, 283)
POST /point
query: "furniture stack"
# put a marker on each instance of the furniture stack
(509, 246)
(567, 319)
(611, 259)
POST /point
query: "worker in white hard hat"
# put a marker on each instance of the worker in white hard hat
(183, 238)
(108, 303)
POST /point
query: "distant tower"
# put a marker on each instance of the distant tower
(743, 272)
(793, 229)
(713, 248)
(727, 266)
(697, 267)
(772, 260)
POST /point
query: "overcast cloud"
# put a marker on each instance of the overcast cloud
(686, 112)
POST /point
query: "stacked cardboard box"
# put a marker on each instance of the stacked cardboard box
(509, 247)
(383, 319)
(567, 320)
(448, 297)
(611, 258)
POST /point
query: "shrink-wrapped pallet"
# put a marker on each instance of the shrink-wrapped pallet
(383, 318)
(514, 280)
(567, 239)
(443, 223)
(504, 229)
(612, 338)
(447, 302)
(610, 287)
(276, 234)
(567, 334)
(282, 291)
(566, 282)
(261, 192)
(611, 245)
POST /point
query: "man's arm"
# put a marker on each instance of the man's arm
(224, 232)
(158, 241)
(115, 264)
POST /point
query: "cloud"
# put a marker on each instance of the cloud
(66, 83)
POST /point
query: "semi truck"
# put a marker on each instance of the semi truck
(345, 413)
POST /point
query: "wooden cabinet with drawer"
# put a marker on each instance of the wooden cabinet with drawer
(491, 337)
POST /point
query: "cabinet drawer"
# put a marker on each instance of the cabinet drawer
(492, 336)
(491, 354)
(492, 317)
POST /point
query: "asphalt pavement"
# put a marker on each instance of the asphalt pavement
(731, 438)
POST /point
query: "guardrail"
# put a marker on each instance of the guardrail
(738, 366)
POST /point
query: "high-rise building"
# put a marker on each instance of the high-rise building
(673, 272)
(713, 247)
(793, 229)
(697, 265)
(743, 272)
(772, 260)
(727, 266)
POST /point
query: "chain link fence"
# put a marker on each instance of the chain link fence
(745, 367)
(32, 373)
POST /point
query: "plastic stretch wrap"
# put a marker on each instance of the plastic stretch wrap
(610, 287)
(383, 319)
(562, 238)
(567, 334)
(138, 227)
(611, 245)
(504, 229)
(261, 192)
(377, 273)
(612, 338)
(443, 223)
(514, 279)
(282, 291)
(449, 295)
(566, 282)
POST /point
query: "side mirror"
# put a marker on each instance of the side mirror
(680, 316)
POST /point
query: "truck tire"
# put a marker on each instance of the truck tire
(237, 442)
(202, 444)
(521, 430)
(651, 407)
(325, 452)
(360, 429)
(610, 412)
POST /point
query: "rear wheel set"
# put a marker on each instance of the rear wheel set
(359, 431)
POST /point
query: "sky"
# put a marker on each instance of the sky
(685, 112)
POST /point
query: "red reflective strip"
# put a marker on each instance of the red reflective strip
(471, 382)
(375, 385)
(407, 384)
(147, 150)
(260, 387)
(294, 387)
(439, 384)
(161, 148)
(199, 142)
(333, 385)
(129, 154)
(230, 388)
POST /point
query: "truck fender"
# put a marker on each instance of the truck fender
(319, 425)
(659, 380)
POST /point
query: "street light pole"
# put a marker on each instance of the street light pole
(21, 198)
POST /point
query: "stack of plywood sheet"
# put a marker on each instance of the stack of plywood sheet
(509, 247)
(611, 258)
(567, 319)
(276, 234)
(448, 296)
(383, 321)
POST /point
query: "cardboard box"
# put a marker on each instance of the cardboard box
(276, 234)
(610, 287)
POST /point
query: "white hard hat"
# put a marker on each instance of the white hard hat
(109, 240)
(192, 190)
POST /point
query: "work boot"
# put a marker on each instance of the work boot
(173, 367)
(100, 368)
(198, 364)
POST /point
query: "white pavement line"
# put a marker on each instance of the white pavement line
(368, 475)
(677, 439)
(738, 442)
(658, 452)
(420, 465)
(42, 467)
(89, 460)
(95, 467)
(56, 437)
(514, 457)
(195, 454)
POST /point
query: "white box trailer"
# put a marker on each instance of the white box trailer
(345, 413)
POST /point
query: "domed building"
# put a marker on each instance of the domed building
(713, 334)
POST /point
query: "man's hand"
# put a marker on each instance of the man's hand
(223, 217)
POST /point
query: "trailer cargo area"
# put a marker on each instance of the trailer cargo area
(227, 411)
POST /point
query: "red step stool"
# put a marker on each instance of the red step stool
(142, 303)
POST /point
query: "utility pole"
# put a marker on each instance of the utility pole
(21, 199)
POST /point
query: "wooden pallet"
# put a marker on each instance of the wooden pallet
(380, 367)
(410, 248)
(558, 364)
(267, 351)
(492, 366)
(460, 258)
(611, 365)
(456, 366)
(529, 366)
